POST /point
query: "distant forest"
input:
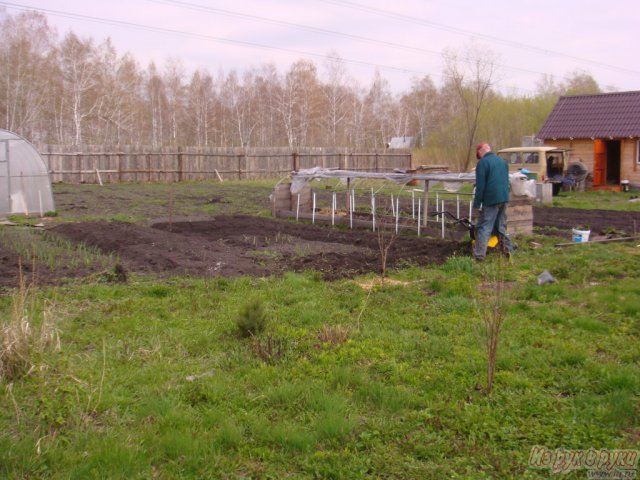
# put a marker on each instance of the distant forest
(72, 91)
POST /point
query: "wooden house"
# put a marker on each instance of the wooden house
(603, 132)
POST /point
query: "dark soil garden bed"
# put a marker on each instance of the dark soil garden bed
(244, 245)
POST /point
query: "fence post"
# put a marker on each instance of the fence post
(426, 203)
(119, 159)
(180, 164)
(377, 166)
(295, 161)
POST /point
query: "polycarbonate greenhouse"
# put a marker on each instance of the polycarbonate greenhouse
(25, 186)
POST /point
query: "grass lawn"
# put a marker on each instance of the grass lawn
(600, 200)
(152, 379)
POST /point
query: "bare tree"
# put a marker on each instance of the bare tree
(355, 127)
(24, 55)
(386, 235)
(471, 76)
(81, 78)
(266, 86)
(121, 85)
(335, 93)
(200, 101)
(377, 104)
(420, 104)
(297, 102)
(492, 310)
(239, 101)
(174, 88)
(156, 101)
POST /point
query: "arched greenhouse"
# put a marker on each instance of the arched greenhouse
(25, 186)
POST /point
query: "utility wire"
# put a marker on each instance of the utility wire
(149, 28)
(449, 28)
(322, 31)
(242, 43)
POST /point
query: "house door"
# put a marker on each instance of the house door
(599, 162)
(613, 162)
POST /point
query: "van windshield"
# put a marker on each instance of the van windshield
(517, 158)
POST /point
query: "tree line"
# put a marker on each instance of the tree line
(73, 91)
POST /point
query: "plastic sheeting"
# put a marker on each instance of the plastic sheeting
(300, 178)
(25, 185)
(521, 186)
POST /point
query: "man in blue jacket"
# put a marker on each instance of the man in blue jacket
(492, 196)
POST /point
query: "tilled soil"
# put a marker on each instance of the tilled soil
(235, 245)
(244, 245)
(601, 222)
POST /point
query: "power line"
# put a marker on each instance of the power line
(449, 28)
(307, 28)
(181, 33)
(241, 43)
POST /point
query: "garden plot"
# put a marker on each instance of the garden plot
(242, 245)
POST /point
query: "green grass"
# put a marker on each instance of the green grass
(153, 380)
(52, 251)
(601, 200)
(143, 201)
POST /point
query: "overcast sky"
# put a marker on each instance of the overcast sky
(403, 39)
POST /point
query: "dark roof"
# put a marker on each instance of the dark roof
(594, 116)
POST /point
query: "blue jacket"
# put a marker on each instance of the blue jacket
(492, 181)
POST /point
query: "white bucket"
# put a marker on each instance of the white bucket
(580, 236)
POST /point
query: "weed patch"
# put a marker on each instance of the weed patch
(23, 339)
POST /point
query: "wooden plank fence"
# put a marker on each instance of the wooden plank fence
(96, 164)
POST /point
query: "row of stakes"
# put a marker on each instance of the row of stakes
(395, 208)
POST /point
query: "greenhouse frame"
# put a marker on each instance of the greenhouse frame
(25, 185)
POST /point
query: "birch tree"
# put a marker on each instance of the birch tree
(80, 78)
(200, 102)
(121, 84)
(269, 131)
(25, 52)
(156, 100)
(174, 90)
(335, 94)
(297, 102)
(378, 102)
(239, 100)
(420, 105)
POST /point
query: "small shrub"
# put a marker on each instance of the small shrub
(252, 319)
